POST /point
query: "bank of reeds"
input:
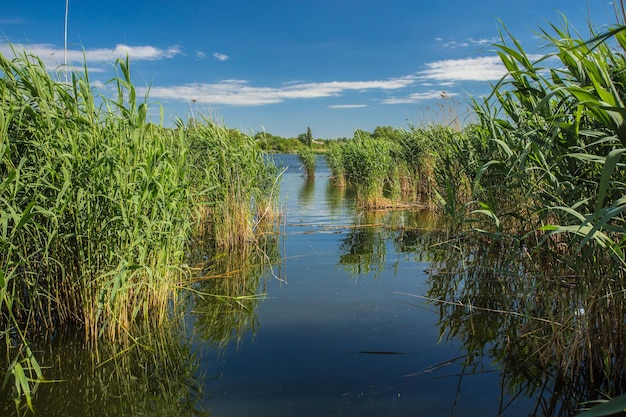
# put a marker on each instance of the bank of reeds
(550, 172)
(549, 178)
(334, 159)
(387, 172)
(97, 206)
(367, 164)
(235, 186)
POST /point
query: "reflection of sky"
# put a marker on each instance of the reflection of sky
(304, 358)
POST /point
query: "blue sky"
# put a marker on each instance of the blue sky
(282, 66)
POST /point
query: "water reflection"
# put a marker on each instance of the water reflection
(367, 242)
(228, 288)
(307, 192)
(557, 337)
(154, 374)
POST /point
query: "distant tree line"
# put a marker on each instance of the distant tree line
(278, 144)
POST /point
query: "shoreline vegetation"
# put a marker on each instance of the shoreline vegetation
(98, 205)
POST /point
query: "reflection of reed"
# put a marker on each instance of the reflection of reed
(307, 192)
(227, 289)
(558, 335)
(152, 375)
(364, 249)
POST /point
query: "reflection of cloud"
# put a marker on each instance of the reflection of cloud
(220, 57)
(347, 106)
(415, 97)
(240, 93)
(52, 55)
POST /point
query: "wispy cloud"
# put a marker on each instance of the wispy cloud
(347, 106)
(416, 97)
(53, 55)
(469, 42)
(200, 55)
(487, 68)
(11, 21)
(241, 93)
(220, 57)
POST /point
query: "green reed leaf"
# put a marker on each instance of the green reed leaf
(607, 408)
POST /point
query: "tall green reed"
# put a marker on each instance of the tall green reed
(307, 158)
(367, 164)
(542, 164)
(97, 205)
(549, 179)
(235, 183)
(334, 159)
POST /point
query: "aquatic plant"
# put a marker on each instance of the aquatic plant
(367, 164)
(235, 185)
(334, 159)
(97, 206)
(557, 141)
(307, 158)
(547, 184)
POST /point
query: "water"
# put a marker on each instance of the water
(339, 333)
(337, 327)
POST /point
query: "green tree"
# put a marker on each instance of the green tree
(309, 137)
(306, 138)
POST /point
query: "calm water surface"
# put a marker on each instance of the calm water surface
(337, 334)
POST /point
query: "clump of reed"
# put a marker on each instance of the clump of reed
(97, 206)
(388, 171)
(95, 210)
(307, 158)
(549, 169)
(242, 188)
(367, 164)
(334, 159)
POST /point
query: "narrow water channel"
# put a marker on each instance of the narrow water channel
(338, 332)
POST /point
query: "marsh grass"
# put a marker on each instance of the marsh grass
(391, 172)
(97, 206)
(365, 163)
(308, 160)
(236, 186)
(538, 181)
(334, 159)
(557, 141)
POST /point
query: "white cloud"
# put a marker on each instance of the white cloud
(347, 106)
(416, 97)
(12, 21)
(240, 93)
(200, 55)
(53, 56)
(220, 57)
(487, 68)
(469, 42)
